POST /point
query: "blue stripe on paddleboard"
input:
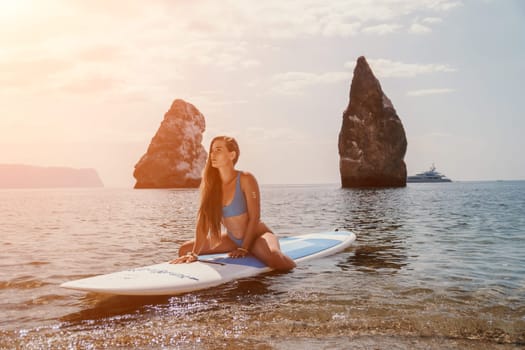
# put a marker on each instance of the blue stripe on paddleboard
(247, 261)
(290, 239)
(309, 247)
(298, 249)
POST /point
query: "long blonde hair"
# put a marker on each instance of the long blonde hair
(210, 211)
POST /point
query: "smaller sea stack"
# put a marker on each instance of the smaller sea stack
(175, 157)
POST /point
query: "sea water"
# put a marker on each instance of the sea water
(434, 266)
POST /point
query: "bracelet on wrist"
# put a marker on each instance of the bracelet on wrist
(192, 254)
(243, 249)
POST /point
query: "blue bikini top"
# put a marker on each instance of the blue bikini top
(238, 204)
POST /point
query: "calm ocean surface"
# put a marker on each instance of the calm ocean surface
(439, 266)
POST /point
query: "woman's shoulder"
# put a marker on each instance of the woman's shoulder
(247, 177)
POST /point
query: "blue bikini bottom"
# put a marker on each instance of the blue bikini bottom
(237, 241)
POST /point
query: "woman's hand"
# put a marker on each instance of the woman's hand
(185, 259)
(238, 253)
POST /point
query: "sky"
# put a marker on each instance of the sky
(86, 83)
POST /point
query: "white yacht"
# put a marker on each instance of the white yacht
(429, 176)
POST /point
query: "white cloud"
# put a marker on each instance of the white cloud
(382, 29)
(426, 92)
(423, 26)
(432, 20)
(385, 68)
(275, 19)
(444, 5)
(294, 83)
(170, 36)
(418, 28)
(226, 55)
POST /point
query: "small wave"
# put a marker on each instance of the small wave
(47, 299)
(71, 277)
(377, 257)
(416, 291)
(24, 282)
(31, 263)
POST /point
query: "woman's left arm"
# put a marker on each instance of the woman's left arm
(253, 204)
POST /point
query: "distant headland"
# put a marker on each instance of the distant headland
(29, 176)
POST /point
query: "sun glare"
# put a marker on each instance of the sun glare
(13, 9)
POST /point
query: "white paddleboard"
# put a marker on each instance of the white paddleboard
(210, 270)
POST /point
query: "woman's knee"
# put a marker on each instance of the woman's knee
(277, 260)
(266, 248)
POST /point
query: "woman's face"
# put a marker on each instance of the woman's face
(219, 155)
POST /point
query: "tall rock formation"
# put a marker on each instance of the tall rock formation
(175, 157)
(372, 141)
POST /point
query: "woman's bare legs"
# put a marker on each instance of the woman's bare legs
(266, 248)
